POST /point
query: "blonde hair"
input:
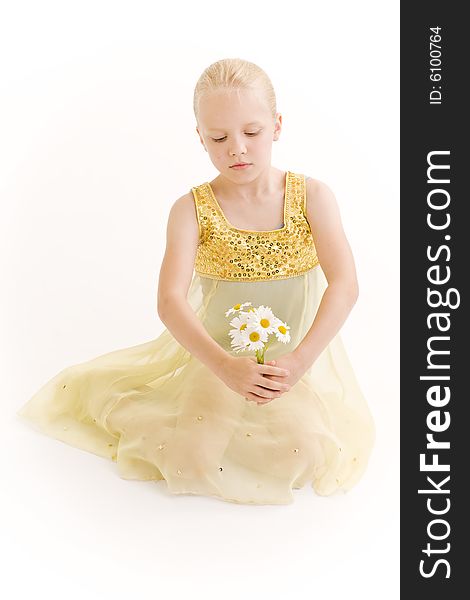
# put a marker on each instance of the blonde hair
(233, 74)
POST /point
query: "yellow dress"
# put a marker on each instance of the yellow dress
(160, 413)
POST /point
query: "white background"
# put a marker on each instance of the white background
(97, 141)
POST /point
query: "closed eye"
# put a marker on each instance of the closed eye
(250, 133)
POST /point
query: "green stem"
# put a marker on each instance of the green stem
(260, 353)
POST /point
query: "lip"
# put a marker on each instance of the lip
(240, 166)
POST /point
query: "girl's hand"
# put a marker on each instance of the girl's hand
(290, 362)
(246, 377)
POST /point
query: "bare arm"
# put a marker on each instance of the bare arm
(243, 375)
(175, 278)
(337, 262)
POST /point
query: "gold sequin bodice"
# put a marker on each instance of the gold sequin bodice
(227, 253)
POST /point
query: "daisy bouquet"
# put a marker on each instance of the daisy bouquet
(252, 328)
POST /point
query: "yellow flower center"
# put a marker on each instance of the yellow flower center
(282, 329)
(237, 306)
(242, 326)
(264, 323)
(254, 336)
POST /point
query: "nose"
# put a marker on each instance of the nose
(237, 147)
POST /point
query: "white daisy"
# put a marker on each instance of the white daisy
(238, 321)
(238, 347)
(281, 330)
(263, 318)
(254, 337)
(239, 338)
(239, 324)
(250, 338)
(236, 307)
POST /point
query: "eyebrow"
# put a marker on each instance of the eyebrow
(246, 125)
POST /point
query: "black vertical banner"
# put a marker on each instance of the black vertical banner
(435, 267)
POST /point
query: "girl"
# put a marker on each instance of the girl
(187, 407)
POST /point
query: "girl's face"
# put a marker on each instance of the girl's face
(235, 127)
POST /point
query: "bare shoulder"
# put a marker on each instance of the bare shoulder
(182, 240)
(184, 210)
(183, 222)
(186, 200)
(332, 246)
(322, 208)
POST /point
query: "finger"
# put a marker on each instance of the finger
(272, 384)
(258, 393)
(271, 370)
(264, 401)
(263, 392)
(265, 377)
(254, 398)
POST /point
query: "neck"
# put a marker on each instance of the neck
(263, 186)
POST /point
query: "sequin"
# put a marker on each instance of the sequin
(161, 446)
(296, 450)
(199, 418)
(227, 253)
(248, 434)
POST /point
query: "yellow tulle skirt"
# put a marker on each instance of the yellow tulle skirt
(159, 413)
